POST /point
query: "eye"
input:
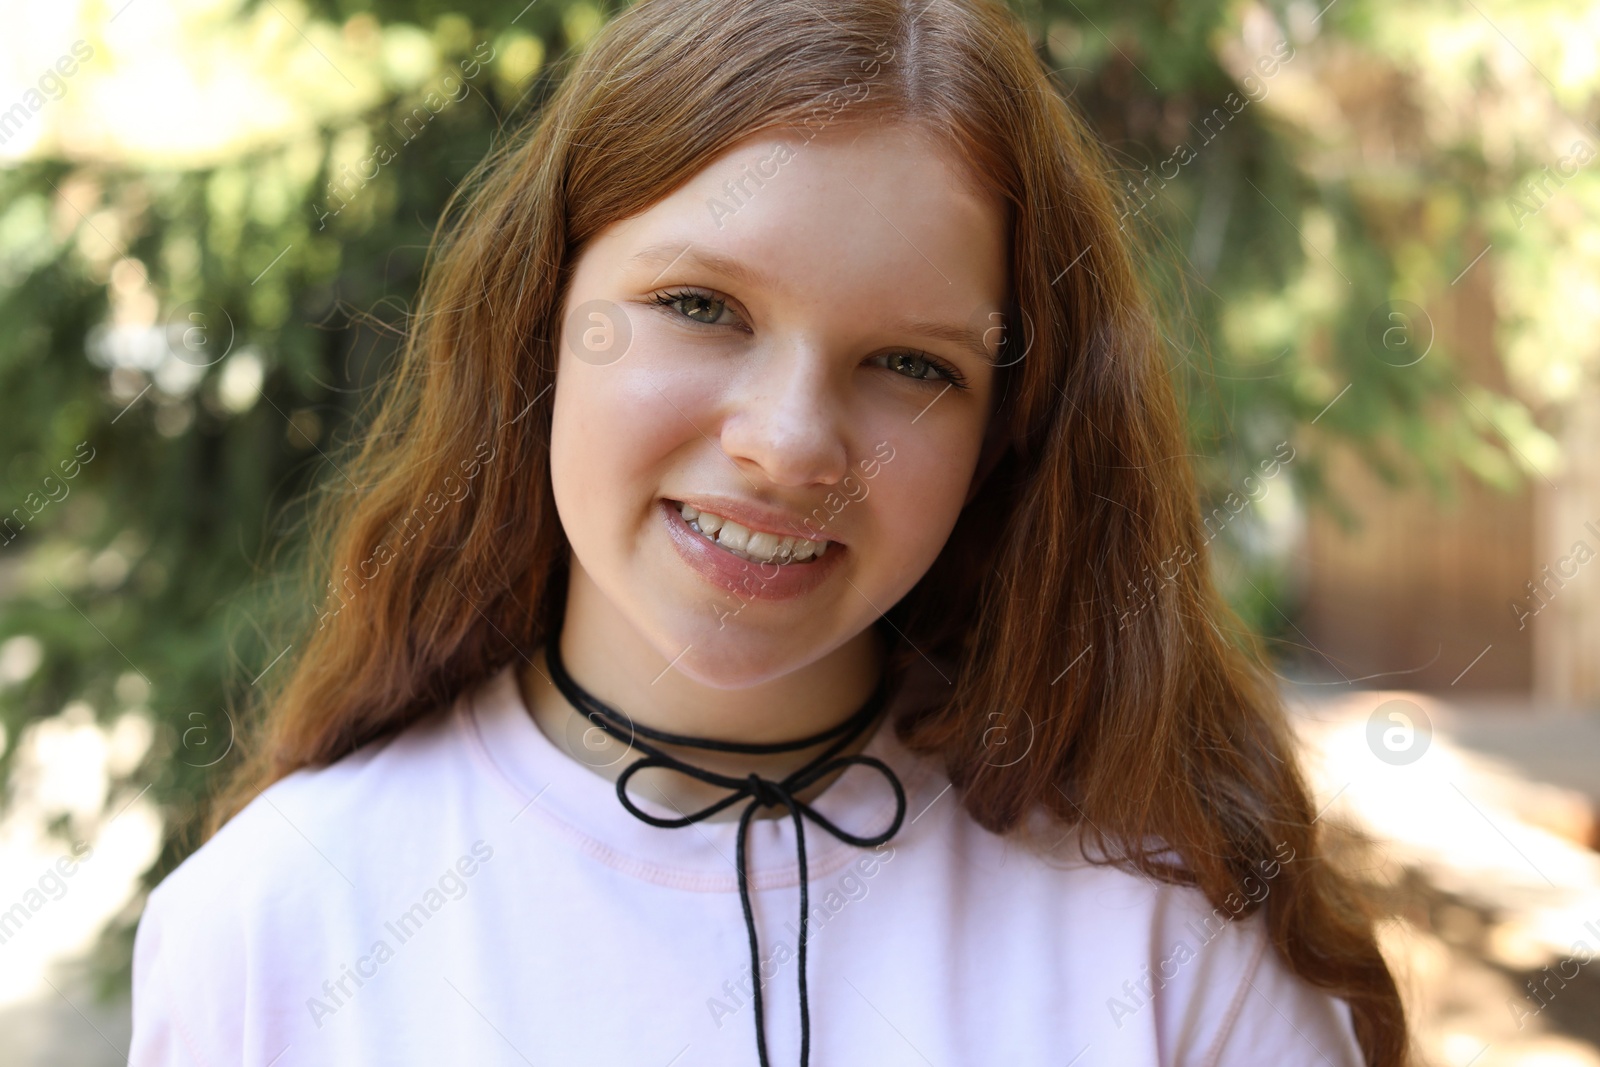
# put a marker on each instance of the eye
(696, 305)
(921, 367)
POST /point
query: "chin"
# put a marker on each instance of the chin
(740, 653)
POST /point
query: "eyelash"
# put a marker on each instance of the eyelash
(951, 376)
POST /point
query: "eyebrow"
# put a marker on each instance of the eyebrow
(671, 253)
(967, 340)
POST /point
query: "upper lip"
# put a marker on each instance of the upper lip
(758, 517)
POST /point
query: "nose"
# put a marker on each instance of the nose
(787, 419)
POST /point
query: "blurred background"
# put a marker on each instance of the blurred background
(1375, 222)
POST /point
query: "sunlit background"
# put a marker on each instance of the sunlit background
(1375, 224)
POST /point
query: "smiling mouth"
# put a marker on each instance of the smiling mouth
(756, 546)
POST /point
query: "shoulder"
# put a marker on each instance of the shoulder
(307, 821)
(304, 856)
(1202, 980)
(1219, 992)
(1278, 1017)
(1156, 971)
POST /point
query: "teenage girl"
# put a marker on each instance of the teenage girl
(729, 656)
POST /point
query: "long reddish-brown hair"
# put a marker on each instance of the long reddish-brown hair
(1165, 741)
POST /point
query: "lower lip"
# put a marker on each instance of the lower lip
(739, 577)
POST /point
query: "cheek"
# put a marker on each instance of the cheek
(613, 432)
(915, 501)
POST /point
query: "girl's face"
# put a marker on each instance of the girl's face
(797, 345)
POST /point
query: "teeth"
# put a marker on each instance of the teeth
(757, 546)
(734, 536)
(761, 545)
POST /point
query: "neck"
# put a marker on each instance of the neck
(616, 664)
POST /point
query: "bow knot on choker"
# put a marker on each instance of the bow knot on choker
(761, 792)
(767, 793)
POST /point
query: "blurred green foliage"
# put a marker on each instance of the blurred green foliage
(145, 589)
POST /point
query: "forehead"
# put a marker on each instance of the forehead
(880, 209)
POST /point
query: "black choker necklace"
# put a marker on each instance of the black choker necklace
(763, 792)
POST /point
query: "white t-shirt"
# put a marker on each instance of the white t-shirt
(469, 893)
